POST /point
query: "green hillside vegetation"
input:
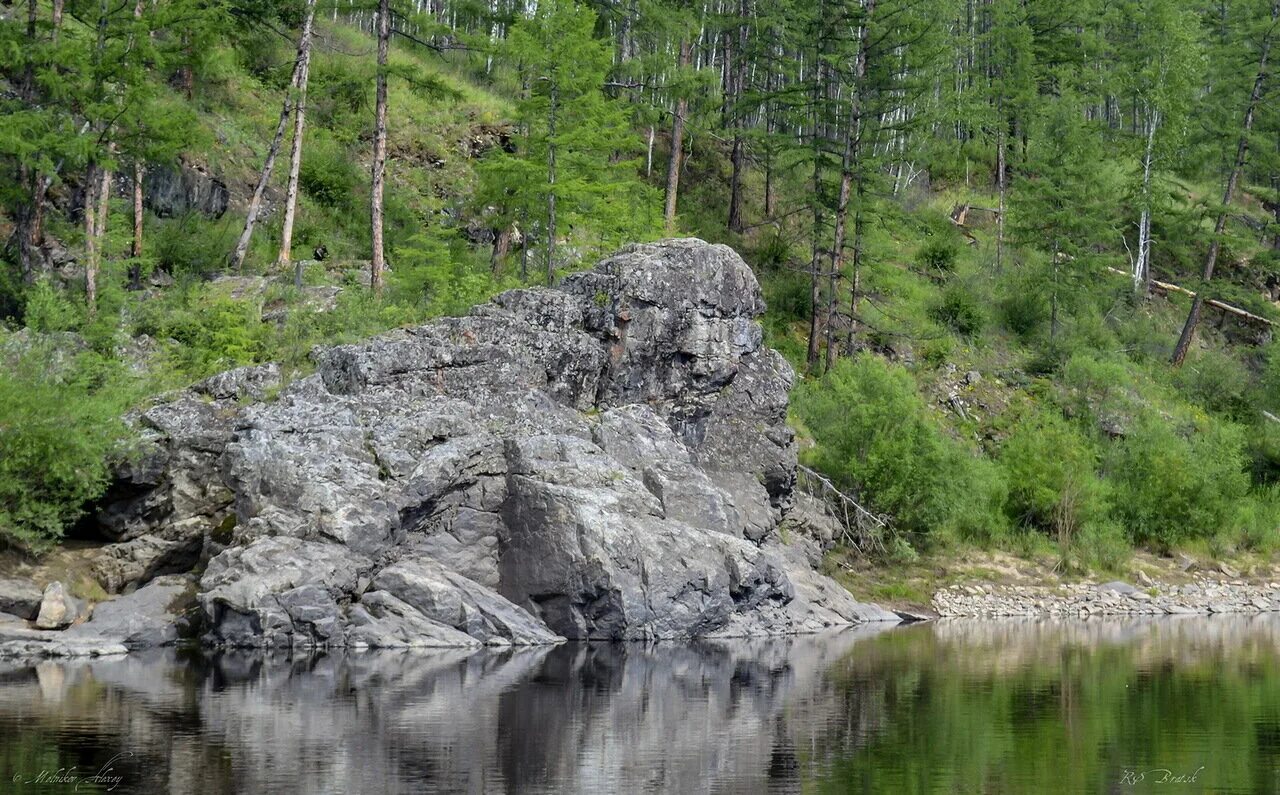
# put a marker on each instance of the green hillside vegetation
(985, 378)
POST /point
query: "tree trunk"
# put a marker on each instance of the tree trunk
(1053, 294)
(57, 20)
(377, 260)
(135, 249)
(1242, 153)
(848, 165)
(501, 246)
(1142, 267)
(648, 155)
(551, 186)
(90, 237)
(524, 247)
(255, 203)
(104, 207)
(1001, 170)
(738, 155)
(677, 148)
(295, 151)
(855, 282)
(820, 91)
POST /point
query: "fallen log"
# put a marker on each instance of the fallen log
(1167, 287)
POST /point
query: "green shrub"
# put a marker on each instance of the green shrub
(1023, 313)
(58, 426)
(49, 310)
(1051, 471)
(1172, 486)
(328, 174)
(788, 296)
(215, 331)
(1097, 390)
(1259, 521)
(877, 438)
(773, 252)
(958, 309)
(938, 257)
(1264, 452)
(1101, 545)
(1216, 381)
(190, 244)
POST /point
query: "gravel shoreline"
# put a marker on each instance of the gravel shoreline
(1203, 596)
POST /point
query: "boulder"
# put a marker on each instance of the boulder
(20, 598)
(150, 616)
(59, 609)
(448, 598)
(1118, 587)
(606, 459)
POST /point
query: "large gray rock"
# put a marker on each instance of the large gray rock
(20, 597)
(453, 600)
(607, 459)
(150, 616)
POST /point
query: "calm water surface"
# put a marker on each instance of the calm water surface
(1167, 705)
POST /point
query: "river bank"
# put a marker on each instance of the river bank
(1204, 596)
(982, 583)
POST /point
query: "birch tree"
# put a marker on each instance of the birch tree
(377, 260)
(264, 178)
(295, 151)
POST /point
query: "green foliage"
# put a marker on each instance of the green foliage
(958, 309)
(937, 256)
(1023, 307)
(574, 136)
(789, 296)
(1174, 484)
(190, 245)
(48, 310)
(1259, 521)
(1102, 545)
(1051, 471)
(328, 175)
(214, 331)
(1216, 381)
(59, 423)
(877, 438)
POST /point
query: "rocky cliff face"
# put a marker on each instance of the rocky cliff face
(608, 459)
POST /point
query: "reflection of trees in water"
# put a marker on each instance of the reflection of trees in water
(1026, 705)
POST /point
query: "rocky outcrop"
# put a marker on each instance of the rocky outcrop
(175, 190)
(608, 459)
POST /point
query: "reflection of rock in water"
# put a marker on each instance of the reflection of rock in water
(719, 715)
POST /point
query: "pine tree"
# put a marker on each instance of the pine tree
(1060, 205)
(567, 165)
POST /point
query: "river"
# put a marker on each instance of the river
(1177, 704)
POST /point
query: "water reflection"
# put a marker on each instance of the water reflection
(956, 706)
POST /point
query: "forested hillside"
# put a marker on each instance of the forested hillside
(1024, 254)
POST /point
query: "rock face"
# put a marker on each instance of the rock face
(608, 459)
(174, 191)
